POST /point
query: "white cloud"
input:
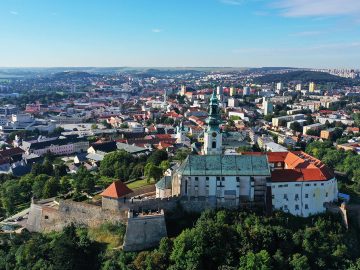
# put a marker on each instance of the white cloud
(14, 12)
(317, 8)
(156, 30)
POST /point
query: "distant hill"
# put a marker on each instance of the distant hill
(303, 76)
(72, 74)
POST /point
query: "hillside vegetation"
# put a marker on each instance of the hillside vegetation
(303, 76)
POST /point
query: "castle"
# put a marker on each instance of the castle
(294, 182)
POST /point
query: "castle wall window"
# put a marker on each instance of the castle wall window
(306, 195)
(296, 207)
(213, 144)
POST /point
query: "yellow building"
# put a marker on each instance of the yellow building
(232, 91)
(312, 87)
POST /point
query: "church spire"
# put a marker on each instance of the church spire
(213, 119)
(212, 135)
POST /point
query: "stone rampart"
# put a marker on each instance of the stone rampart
(44, 219)
(144, 232)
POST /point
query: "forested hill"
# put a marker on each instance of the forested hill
(303, 76)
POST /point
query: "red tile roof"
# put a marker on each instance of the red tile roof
(294, 175)
(116, 190)
(299, 166)
(274, 157)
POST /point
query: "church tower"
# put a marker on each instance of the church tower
(212, 135)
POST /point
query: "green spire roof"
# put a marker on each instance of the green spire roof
(213, 119)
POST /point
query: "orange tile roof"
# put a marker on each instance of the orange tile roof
(294, 175)
(274, 157)
(299, 166)
(116, 190)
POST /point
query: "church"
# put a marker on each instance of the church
(293, 182)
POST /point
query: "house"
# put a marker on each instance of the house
(327, 133)
(132, 149)
(65, 146)
(105, 147)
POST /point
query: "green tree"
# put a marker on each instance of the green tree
(39, 184)
(116, 164)
(151, 171)
(84, 180)
(164, 165)
(295, 126)
(259, 261)
(157, 156)
(51, 188)
(299, 262)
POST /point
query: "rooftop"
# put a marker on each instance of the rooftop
(225, 165)
(116, 190)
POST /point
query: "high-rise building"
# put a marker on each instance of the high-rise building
(246, 91)
(298, 87)
(233, 102)
(219, 92)
(312, 87)
(267, 106)
(232, 91)
(279, 86)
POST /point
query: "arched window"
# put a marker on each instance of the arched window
(213, 144)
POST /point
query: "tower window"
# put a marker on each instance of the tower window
(213, 144)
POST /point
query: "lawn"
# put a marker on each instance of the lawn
(139, 183)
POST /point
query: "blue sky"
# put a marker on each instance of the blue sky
(180, 33)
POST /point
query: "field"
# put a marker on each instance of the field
(139, 183)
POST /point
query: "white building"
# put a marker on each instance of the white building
(246, 91)
(301, 184)
(316, 126)
(267, 106)
(233, 102)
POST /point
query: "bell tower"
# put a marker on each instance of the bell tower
(212, 135)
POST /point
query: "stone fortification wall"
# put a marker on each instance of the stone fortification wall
(188, 204)
(44, 219)
(144, 232)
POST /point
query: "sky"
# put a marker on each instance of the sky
(180, 33)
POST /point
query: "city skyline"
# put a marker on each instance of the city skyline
(217, 33)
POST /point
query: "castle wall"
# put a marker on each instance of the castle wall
(144, 232)
(45, 219)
